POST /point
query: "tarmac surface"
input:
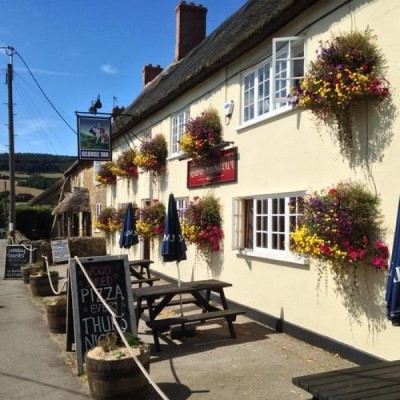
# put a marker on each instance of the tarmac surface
(258, 365)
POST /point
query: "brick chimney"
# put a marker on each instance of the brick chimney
(190, 27)
(150, 72)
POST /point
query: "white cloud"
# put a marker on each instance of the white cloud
(47, 72)
(108, 69)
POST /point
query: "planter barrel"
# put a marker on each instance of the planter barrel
(27, 270)
(40, 285)
(117, 379)
(57, 317)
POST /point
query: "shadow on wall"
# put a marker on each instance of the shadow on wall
(373, 132)
(362, 292)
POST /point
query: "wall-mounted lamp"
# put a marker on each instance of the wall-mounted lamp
(96, 104)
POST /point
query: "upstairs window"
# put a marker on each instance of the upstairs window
(266, 87)
(178, 122)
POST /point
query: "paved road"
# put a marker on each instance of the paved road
(259, 365)
(32, 363)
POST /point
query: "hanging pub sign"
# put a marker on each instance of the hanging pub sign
(222, 170)
(94, 138)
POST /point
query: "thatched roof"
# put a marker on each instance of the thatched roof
(250, 25)
(78, 201)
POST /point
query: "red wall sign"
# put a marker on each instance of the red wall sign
(223, 170)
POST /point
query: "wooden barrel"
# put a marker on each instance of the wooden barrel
(25, 272)
(57, 317)
(40, 285)
(28, 269)
(117, 379)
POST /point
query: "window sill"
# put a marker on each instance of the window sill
(173, 157)
(270, 116)
(288, 258)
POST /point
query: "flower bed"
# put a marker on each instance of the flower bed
(348, 70)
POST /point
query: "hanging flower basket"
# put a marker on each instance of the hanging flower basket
(202, 225)
(106, 174)
(153, 155)
(347, 71)
(151, 220)
(340, 229)
(125, 166)
(202, 134)
(110, 219)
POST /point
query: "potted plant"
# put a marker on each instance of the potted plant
(340, 229)
(110, 219)
(348, 70)
(153, 155)
(202, 225)
(28, 269)
(202, 134)
(111, 372)
(56, 314)
(106, 174)
(151, 220)
(125, 166)
(40, 284)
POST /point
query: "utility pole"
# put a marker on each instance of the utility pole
(9, 80)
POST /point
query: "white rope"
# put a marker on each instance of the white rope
(51, 283)
(120, 332)
(30, 251)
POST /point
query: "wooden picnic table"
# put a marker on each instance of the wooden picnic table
(140, 271)
(200, 292)
(372, 381)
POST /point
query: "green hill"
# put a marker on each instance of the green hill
(32, 163)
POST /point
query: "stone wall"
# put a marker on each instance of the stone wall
(78, 246)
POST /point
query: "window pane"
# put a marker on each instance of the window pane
(274, 206)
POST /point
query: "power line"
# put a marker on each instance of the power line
(44, 94)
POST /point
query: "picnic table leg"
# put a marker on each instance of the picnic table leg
(138, 310)
(228, 319)
(154, 331)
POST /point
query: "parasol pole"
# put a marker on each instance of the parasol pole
(179, 285)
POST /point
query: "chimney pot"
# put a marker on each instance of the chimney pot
(190, 27)
(150, 72)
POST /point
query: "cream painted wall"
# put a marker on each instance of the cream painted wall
(291, 153)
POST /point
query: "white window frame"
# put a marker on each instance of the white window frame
(181, 206)
(260, 85)
(96, 168)
(97, 213)
(178, 122)
(269, 231)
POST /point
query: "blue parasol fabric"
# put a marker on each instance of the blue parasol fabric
(393, 282)
(173, 245)
(128, 236)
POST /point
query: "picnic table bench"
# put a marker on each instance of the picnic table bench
(369, 382)
(200, 295)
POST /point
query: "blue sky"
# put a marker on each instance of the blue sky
(77, 49)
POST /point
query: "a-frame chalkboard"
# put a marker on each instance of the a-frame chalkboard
(91, 320)
(16, 256)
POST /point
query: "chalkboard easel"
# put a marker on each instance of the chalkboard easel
(16, 256)
(91, 320)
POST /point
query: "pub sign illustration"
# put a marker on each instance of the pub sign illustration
(94, 138)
